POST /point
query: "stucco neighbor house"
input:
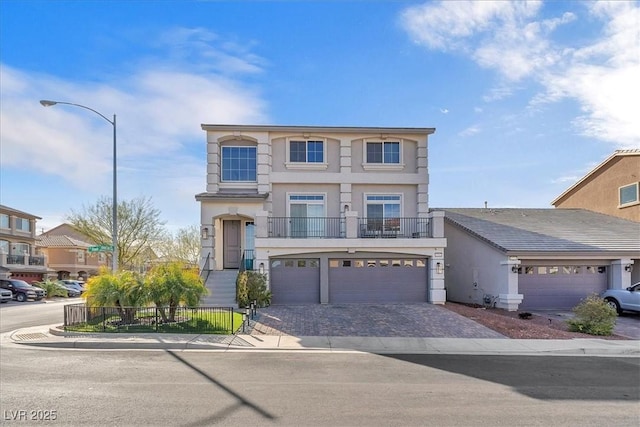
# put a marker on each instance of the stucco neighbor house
(330, 214)
(611, 188)
(537, 258)
(18, 253)
(67, 251)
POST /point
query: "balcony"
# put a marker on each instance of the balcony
(306, 228)
(23, 262)
(349, 227)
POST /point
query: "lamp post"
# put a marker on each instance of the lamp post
(114, 231)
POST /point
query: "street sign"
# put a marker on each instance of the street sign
(100, 248)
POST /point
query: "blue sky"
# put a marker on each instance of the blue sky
(526, 97)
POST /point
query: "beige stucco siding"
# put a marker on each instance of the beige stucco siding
(280, 156)
(408, 157)
(408, 192)
(599, 192)
(330, 191)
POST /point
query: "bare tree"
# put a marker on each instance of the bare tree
(182, 246)
(139, 227)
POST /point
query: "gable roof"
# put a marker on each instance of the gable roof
(549, 230)
(61, 242)
(615, 155)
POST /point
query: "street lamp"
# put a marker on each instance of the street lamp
(114, 231)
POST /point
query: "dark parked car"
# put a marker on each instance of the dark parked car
(623, 299)
(22, 291)
(71, 289)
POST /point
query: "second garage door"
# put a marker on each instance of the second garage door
(377, 280)
(559, 287)
(295, 281)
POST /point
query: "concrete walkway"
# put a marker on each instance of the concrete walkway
(52, 337)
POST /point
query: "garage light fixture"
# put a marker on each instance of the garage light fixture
(515, 269)
(628, 268)
(261, 268)
(439, 269)
(205, 233)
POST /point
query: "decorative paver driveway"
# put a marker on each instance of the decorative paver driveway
(367, 320)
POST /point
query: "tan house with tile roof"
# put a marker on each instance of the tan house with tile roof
(69, 257)
(611, 188)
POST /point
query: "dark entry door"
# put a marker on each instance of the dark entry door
(231, 237)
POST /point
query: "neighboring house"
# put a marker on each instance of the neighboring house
(18, 246)
(331, 214)
(611, 188)
(537, 258)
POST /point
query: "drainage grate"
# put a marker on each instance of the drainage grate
(26, 337)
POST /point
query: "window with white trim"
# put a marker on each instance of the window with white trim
(4, 221)
(387, 152)
(306, 212)
(4, 246)
(628, 194)
(239, 164)
(383, 212)
(21, 248)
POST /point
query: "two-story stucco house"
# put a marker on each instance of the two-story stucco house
(18, 253)
(330, 214)
(611, 188)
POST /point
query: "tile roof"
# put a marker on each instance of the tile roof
(61, 242)
(549, 230)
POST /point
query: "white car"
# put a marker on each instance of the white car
(623, 299)
(5, 295)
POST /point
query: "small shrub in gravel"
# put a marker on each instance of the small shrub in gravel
(593, 316)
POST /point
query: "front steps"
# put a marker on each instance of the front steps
(222, 289)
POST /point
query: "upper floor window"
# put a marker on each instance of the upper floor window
(4, 221)
(239, 164)
(306, 151)
(383, 152)
(4, 246)
(383, 212)
(23, 224)
(628, 194)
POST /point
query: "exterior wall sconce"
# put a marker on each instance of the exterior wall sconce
(346, 208)
(439, 268)
(515, 269)
(261, 268)
(205, 233)
(628, 268)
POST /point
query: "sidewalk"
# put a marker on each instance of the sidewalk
(51, 337)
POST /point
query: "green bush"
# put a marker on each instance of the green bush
(252, 286)
(593, 316)
(52, 288)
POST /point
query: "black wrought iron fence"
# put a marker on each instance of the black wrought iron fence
(377, 227)
(203, 320)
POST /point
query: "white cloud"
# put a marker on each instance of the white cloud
(160, 107)
(513, 39)
(471, 130)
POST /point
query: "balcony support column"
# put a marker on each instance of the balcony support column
(351, 220)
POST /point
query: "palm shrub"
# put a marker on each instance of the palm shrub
(125, 290)
(52, 288)
(593, 316)
(172, 284)
(252, 286)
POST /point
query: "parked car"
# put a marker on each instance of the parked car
(76, 284)
(72, 290)
(5, 295)
(21, 290)
(623, 299)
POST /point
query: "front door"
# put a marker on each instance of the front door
(231, 237)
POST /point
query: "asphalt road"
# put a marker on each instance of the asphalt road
(15, 315)
(189, 388)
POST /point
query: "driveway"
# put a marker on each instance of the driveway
(367, 320)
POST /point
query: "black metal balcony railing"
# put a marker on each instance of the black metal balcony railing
(15, 259)
(306, 228)
(36, 260)
(380, 228)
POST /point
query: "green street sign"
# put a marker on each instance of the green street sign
(100, 248)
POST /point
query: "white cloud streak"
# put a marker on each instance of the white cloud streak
(159, 106)
(514, 40)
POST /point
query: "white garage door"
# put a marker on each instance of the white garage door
(295, 281)
(377, 280)
(559, 287)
